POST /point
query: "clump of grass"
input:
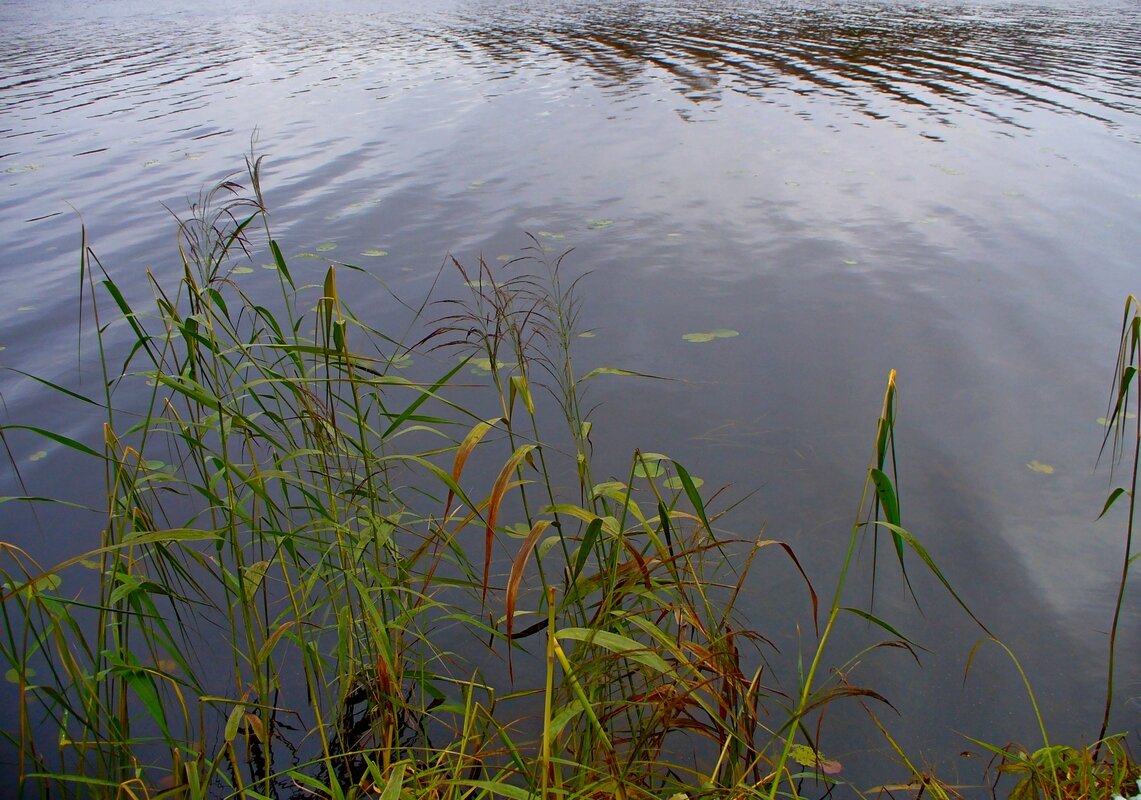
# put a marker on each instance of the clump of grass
(288, 592)
(308, 560)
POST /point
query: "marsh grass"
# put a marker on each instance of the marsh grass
(320, 578)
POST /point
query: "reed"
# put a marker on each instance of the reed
(308, 560)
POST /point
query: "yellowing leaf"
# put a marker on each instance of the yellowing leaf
(1038, 466)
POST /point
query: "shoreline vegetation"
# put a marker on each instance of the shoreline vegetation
(313, 569)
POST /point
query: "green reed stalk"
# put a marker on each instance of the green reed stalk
(1128, 364)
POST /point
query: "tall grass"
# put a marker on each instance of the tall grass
(312, 568)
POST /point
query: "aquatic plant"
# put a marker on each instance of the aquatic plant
(318, 576)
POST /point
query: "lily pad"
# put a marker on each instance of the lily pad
(1038, 466)
(326, 247)
(814, 759)
(648, 468)
(709, 336)
(38, 455)
(13, 676)
(674, 482)
(482, 366)
(517, 530)
(1105, 421)
(851, 261)
(587, 335)
(374, 253)
(269, 266)
(599, 224)
(476, 184)
(242, 270)
(552, 235)
(307, 255)
(504, 257)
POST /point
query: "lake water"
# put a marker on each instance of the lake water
(949, 189)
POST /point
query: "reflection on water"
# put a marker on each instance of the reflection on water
(883, 60)
(948, 189)
(937, 60)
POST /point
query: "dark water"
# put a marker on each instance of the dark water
(949, 189)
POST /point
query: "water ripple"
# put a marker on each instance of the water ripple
(884, 60)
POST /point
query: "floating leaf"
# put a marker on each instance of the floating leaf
(39, 454)
(550, 235)
(709, 336)
(26, 308)
(587, 335)
(482, 366)
(13, 675)
(517, 530)
(851, 261)
(1038, 466)
(674, 235)
(803, 754)
(807, 757)
(791, 183)
(649, 466)
(476, 184)
(599, 224)
(241, 270)
(1106, 422)
(151, 163)
(374, 253)
(504, 257)
(674, 482)
(325, 247)
(269, 266)
(307, 255)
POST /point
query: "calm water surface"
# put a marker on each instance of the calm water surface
(949, 189)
